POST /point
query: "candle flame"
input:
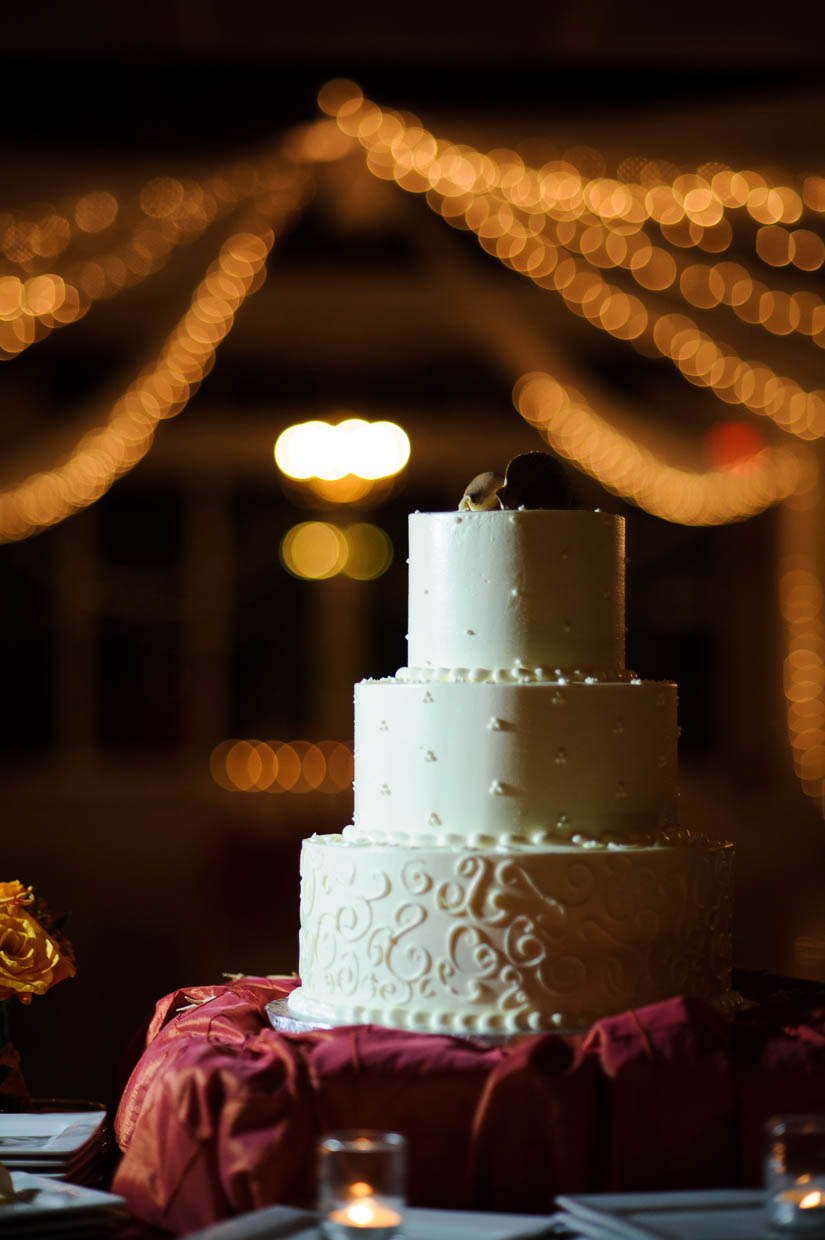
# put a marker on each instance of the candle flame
(360, 1189)
(366, 1212)
(811, 1199)
(361, 1213)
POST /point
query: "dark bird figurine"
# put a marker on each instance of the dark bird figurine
(535, 480)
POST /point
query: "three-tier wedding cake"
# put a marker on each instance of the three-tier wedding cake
(514, 861)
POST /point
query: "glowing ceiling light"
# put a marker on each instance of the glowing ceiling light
(354, 446)
(298, 448)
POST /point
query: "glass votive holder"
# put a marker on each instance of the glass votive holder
(795, 1174)
(362, 1177)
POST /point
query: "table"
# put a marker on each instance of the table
(221, 1113)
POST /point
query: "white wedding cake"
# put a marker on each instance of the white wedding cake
(514, 862)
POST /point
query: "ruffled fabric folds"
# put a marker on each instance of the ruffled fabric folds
(221, 1113)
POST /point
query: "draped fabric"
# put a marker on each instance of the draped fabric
(221, 1113)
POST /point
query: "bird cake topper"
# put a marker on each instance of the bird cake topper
(531, 480)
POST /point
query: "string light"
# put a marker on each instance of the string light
(801, 600)
(164, 387)
(537, 221)
(561, 226)
(171, 212)
(802, 607)
(298, 767)
(622, 465)
(508, 206)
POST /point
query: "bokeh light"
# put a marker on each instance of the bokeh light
(297, 766)
(93, 213)
(354, 446)
(623, 465)
(318, 550)
(314, 550)
(160, 391)
(732, 446)
(369, 551)
(560, 228)
(803, 612)
(568, 226)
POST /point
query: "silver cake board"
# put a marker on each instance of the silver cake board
(283, 1021)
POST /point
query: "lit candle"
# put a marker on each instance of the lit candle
(361, 1183)
(800, 1208)
(366, 1214)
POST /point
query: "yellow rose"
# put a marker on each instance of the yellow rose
(15, 893)
(30, 959)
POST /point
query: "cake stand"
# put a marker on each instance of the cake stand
(283, 1021)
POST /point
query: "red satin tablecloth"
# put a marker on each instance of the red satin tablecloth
(221, 1112)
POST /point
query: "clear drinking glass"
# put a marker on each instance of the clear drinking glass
(795, 1174)
(362, 1184)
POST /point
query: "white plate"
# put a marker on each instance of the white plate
(419, 1224)
(83, 1227)
(712, 1214)
(45, 1164)
(54, 1203)
(58, 1134)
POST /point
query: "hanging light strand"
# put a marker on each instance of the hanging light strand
(163, 389)
(171, 212)
(576, 432)
(613, 237)
(604, 221)
(546, 241)
(507, 205)
(802, 607)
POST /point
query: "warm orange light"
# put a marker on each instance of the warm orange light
(11, 297)
(161, 390)
(338, 94)
(299, 767)
(243, 765)
(161, 196)
(317, 550)
(369, 551)
(347, 490)
(314, 550)
(96, 212)
(320, 142)
(624, 466)
(732, 446)
(319, 449)
(807, 249)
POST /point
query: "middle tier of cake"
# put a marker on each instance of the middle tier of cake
(485, 763)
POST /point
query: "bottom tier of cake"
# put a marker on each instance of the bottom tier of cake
(503, 940)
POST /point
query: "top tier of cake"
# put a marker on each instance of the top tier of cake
(542, 590)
